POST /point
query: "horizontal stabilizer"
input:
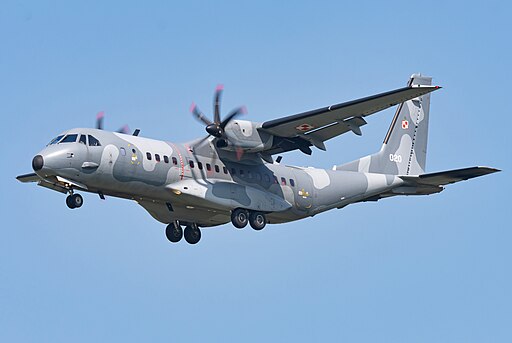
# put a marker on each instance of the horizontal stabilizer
(450, 176)
(32, 177)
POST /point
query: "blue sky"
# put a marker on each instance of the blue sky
(418, 269)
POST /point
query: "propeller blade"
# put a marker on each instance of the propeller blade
(199, 115)
(232, 115)
(125, 129)
(218, 93)
(201, 141)
(99, 120)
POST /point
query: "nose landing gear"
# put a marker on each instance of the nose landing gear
(74, 201)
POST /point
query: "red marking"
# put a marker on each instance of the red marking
(181, 162)
(192, 107)
(219, 87)
(405, 124)
(305, 127)
(239, 153)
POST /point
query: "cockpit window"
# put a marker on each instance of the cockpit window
(93, 141)
(83, 139)
(55, 140)
(69, 138)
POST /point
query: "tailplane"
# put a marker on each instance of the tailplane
(404, 151)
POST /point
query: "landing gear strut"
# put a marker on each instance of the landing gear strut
(74, 201)
(174, 232)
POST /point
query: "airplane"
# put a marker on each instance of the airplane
(230, 175)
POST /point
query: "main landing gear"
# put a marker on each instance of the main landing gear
(175, 233)
(241, 217)
(74, 201)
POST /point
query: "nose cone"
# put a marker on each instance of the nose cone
(37, 162)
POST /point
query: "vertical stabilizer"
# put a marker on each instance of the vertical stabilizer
(404, 151)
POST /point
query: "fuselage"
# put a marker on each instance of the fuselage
(197, 182)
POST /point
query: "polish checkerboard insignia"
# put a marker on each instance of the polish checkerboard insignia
(305, 127)
(405, 124)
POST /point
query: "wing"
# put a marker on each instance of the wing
(300, 131)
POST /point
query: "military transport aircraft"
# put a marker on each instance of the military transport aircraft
(230, 175)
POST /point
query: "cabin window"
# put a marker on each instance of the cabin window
(148, 155)
(225, 170)
(93, 141)
(123, 151)
(83, 139)
(292, 183)
(266, 177)
(157, 157)
(166, 159)
(200, 165)
(241, 173)
(283, 181)
(233, 171)
(275, 179)
(69, 139)
(174, 161)
(191, 164)
(208, 167)
(217, 170)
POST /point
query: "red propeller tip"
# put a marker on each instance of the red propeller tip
(219, 87)
(100, 115)
(244, 110)
(192, 107)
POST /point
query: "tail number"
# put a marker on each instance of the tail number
(395, 158)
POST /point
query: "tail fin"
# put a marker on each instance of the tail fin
(404, 151)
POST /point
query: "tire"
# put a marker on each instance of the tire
(257, 220)
(69, 202)
(192, 234)
(240, 218)
(174, 232)
(77, 200)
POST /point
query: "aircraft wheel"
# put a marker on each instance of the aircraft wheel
(174, 232)
(239, 218)
(74, 201)
(257, 220)
(192, 234)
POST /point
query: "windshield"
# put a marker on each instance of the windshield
(55, 140)
(69, 139)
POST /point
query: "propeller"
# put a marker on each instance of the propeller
(99, 123)
(216, 128)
